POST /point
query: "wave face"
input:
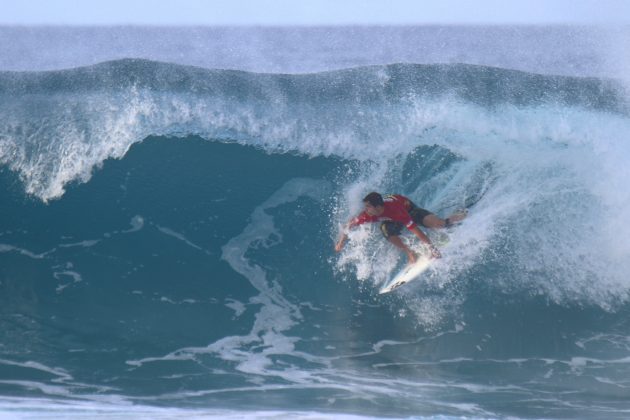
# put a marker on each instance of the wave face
(166, 241)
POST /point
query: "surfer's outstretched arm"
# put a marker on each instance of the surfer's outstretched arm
(341, 242)
(342, 239)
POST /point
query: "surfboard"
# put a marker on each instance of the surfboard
(407, 274)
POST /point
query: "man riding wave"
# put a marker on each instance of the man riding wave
(395, 212)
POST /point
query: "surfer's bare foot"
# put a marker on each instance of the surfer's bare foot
(412, 258)
(458, 216)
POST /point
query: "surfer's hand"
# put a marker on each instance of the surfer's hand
(435, 253)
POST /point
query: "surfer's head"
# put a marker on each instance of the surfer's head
(374, 204)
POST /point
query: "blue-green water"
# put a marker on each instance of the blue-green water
(166, 243)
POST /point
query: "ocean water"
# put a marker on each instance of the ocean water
(169, 201)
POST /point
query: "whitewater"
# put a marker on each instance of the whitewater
(170, 198)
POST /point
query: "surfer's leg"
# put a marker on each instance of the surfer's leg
(391, 230)
(433, 222)
(398, 243)
(418, 214)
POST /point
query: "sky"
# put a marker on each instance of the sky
(312, 12)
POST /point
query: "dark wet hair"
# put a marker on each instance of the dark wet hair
(374, 199)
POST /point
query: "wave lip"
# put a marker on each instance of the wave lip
(58, 126)
(477, 84)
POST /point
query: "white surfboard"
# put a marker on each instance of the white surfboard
(407, 274)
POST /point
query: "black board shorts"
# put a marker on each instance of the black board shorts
(391, 228)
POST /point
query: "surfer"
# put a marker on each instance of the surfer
(395, 212)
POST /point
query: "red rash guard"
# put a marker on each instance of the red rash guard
(396, 210)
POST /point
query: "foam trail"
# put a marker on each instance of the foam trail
(277, 314)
